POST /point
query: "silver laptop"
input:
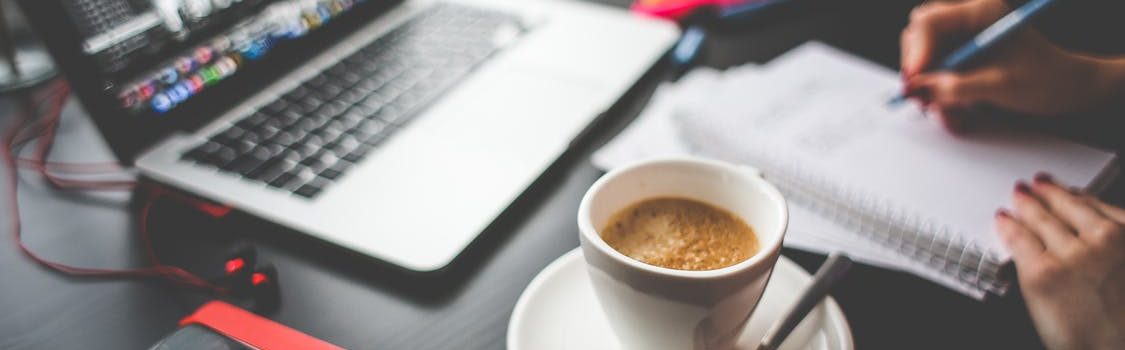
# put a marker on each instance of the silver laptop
(398, 130)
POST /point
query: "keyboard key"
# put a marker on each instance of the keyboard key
(320, 161)
(309, 104)
(340, 167)
(208, 147)
(371, 126)
(270, 170)
(312, 188)
(285, 118)
(274, 122)
(283, 138)
(345, 145)
(276, 106)
(222, 157)
(290, 157)
(265, 132)
(349, 120)
(331, 109)
(244, 165)
(376, 100)
(329, 132)
(350, 79)
(389, 114)
(230, 135)
(316, 81)
(314, 164)
(356, 155)
(351, 96)
(249, 162)
(304, 150)
(286, 181)
(302, 127)
(329, 92)
(367, 86)
(297, 95)
(308, 191)
(196, 154)
(254, 120)
(304, 175)
(269, 150)
(337, 70)
(331, 173)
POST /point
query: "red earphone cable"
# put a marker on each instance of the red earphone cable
(14, 139)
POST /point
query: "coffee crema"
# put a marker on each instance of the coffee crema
(680, 233)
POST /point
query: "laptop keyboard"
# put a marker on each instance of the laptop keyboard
(311, 135)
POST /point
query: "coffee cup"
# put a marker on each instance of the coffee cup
(652, 307)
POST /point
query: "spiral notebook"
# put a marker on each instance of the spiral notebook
(815, 122)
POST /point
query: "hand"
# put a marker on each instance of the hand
(1069, 251)
(1026, 73)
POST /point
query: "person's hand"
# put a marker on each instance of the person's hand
(1069, 252)
(1025, 73)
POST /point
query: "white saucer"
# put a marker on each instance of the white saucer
(559, 310)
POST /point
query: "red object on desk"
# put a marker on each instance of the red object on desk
(252, 330)
(676, 9)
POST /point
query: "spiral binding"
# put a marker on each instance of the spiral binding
(914, 236)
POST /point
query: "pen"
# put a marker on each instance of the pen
(1003, 28)
(829, 272)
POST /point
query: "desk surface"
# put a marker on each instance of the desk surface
(360, 304)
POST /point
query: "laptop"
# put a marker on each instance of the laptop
(396, 129)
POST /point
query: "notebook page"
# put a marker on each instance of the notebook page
(820, 113)
(904, 158)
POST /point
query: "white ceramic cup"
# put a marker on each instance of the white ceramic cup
(652, 307)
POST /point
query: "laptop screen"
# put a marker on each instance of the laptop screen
(143, 68)
(155, 55)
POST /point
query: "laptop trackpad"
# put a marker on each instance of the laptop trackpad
(440, 181)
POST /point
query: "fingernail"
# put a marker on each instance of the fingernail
(1042, 177)
(1022, 187)
(1002, 213)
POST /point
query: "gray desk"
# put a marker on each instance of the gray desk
(362, 304)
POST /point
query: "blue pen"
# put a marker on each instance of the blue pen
(988, 38)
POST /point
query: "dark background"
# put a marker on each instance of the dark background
(358, 303)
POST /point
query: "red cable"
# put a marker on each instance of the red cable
(45, 140)
(171, 273)
(58, 91)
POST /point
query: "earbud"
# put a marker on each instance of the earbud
(264, 288)
(238, 267)
(245, 280)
